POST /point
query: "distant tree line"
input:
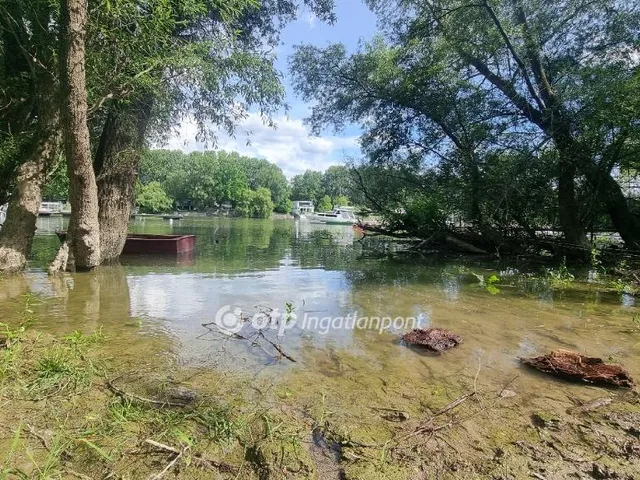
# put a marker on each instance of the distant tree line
(205, 180)
(332, 188)
(254, 187)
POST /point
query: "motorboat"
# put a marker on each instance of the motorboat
(338, 216)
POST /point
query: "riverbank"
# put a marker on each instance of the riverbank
(73, 410)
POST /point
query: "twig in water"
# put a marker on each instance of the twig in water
(201, 461)
(278, 348)
(169, 466)
(122, 394)
(507, 385)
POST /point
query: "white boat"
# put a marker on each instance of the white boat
(49, 208)
(338, 216)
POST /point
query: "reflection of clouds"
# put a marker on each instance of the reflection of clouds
(183, 302)
(451, 288)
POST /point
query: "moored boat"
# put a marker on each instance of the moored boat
(338, 216)
(153, 244)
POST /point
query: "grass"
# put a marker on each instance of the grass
(62, 419)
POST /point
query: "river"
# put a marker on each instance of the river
(343, 302)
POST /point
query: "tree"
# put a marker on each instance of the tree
(324, 205)
(84, 231)
(142, 58)
(254, 203)
(307, 186)
(205, 179)
(261, 205)
(529, 88)
(151, 198)
(340, 200)
(337, 181)
(563, 58)
(29, 117)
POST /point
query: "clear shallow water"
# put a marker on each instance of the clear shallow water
(324, 272)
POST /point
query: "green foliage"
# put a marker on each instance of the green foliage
(324, 205)
(204, 180)
(622, 286)
(559, 277)
(255, 203)
(152, 198)
(340, 201)
(336, 183)
(467, 101)
(307, 186)
(56, 187)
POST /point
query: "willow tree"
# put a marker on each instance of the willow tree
(452, 84)
(84, 231)
(29, 120)
(208, 62)
(149, 66)
(566, 70)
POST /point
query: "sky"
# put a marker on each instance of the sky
(291, 145)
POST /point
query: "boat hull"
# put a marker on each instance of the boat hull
(164, 244)
(153, 244)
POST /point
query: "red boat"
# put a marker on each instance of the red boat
(142, 243)
(151, 244)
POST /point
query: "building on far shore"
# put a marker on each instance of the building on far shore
(302, 207)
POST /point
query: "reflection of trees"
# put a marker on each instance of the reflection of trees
(93, 299)
(13, 286)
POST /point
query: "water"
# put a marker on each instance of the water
(327, 272)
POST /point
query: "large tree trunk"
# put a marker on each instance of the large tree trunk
(16, 236)
(570, 222)
(117, 164)
(612, 197)
(571, 154)
(83, 192)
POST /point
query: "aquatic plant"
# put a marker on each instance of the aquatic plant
(559, 277)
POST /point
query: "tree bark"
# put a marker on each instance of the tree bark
(612, 197)
(568, 211)
(83, 192)
(117, 164)
(16, 236)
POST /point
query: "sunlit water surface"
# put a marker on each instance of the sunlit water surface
(328, 273)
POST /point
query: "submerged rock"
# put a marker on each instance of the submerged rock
(574, 366)
(435, 339)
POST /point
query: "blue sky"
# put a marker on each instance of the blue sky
(290, 145)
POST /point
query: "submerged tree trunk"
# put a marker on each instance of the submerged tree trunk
(613, 199)
(117, 164)
(83, 192)
(16, 236)
(568, 211)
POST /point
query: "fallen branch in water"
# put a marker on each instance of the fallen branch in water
(278, 348)
(253, 341)
(130, 396)
(197, 459)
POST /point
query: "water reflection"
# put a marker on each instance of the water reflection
(323, 272)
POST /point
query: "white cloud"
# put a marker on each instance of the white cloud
(289, 145)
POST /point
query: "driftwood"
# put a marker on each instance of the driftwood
(574, 366)
(435, 339)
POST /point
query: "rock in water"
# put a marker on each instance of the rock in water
(574, 366)
(435, 339)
